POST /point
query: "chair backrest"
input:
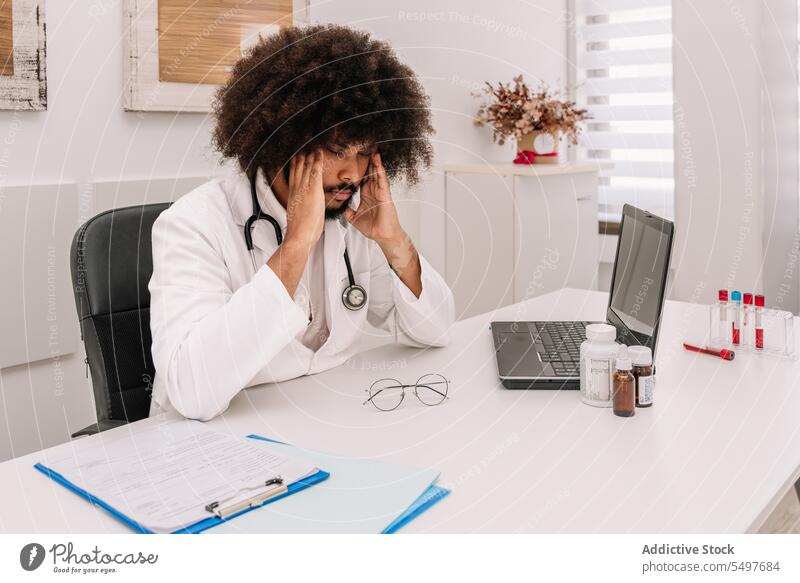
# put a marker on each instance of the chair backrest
(112, 261)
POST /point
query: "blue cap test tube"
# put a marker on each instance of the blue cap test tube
(736, 326)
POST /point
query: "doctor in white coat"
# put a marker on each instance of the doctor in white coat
(225, 317)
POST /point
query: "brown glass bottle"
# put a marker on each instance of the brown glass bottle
(642, 360)
(624, 385)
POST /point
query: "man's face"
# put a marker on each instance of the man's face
(344, 171)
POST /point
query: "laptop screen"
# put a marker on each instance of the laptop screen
(640, 276)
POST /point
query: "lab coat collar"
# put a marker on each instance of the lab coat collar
(242, 204)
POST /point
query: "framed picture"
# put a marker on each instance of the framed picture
(178, 52)
(23, 79)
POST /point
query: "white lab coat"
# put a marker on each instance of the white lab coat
(218, 326)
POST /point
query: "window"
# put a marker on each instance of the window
(623, 76)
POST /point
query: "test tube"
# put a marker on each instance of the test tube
(736, 317)
(723, 326)
(759, 330)
(748, 333)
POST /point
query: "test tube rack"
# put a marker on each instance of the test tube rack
(777, 331)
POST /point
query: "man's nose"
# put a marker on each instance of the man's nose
(348, 170)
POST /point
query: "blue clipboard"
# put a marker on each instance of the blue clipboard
(192, 529)
(428, 498)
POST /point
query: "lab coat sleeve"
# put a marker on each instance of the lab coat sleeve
(208, 341)
(419, 322)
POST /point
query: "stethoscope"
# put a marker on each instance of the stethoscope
(354, 297)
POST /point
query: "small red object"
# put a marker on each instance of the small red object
(759, 301)
(748, 298)
(723, 295)
(723, 353)
(529, 156)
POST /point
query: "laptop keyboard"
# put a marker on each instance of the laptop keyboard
(558, 343)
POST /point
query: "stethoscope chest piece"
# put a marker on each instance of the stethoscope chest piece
(354, 297)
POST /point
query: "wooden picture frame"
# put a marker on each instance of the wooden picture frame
(179, 68)
(23, 48)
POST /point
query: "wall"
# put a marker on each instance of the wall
(85, 137)
(779, 106)
(454, 46)
(718, 147)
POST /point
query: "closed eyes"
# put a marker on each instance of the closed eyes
(364, 153)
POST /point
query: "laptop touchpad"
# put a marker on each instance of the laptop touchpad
(517, 354)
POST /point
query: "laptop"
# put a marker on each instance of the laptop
(545, 355)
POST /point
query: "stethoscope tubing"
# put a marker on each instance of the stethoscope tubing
(258, 213)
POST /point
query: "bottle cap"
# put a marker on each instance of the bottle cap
(601, 332)
(623, 359)
(640, 355)
(760, 301)
(736, 296)
(723, 295)
(748, 299)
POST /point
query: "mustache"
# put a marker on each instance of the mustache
(344, 186)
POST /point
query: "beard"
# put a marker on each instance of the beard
(334, 213)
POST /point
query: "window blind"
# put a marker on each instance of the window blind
(623, 76)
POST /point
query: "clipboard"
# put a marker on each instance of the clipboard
(257, 501)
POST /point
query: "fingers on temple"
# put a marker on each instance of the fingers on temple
(381, 177)
(298, 160)
(307, 167)
(317, 166)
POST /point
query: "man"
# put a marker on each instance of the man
(320, 120)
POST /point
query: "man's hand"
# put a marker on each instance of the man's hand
(305, 217)
(376, 217)
(305, 208)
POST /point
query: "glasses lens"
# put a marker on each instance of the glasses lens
(432, 389)
(386, 394)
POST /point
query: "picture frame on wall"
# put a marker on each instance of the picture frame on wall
(178, 52)
(23, 48)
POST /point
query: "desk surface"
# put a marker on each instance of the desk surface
(714, 454)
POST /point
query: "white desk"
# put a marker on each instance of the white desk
(714, 454)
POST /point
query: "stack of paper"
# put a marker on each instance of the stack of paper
(361, 496)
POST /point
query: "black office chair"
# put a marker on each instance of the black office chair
(112, 261)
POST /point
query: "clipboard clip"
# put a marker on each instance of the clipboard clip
(257, 500)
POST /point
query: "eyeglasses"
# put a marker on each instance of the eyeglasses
(387, 394)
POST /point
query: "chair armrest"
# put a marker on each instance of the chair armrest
(98, 427)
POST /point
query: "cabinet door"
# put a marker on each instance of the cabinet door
(479, 241)
(556, 233)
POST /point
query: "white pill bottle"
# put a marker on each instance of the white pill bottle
(597, 365)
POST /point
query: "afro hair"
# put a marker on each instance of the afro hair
(318, 85)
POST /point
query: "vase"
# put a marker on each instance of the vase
(544, 146)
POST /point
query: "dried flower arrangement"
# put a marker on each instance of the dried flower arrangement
(517, 111)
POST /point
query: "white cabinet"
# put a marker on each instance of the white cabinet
(513, 232)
